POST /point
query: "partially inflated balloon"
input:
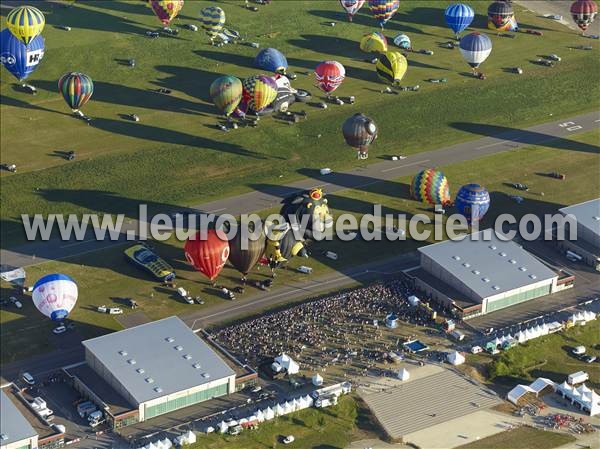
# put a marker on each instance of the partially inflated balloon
(472, 201)
(403, 41)
(501, 17)
(271, 60)
(584, 12)
(475, 48)
(430, 186)
(374, 42)
(352, 7)
(226, 93)
(55, 296)
(383, 10)
(76, 88)
(208, 256)
(391, 67)
(259, 92)
(212, 20)
(25, 23)
(20, 59)
(166, 10)
(359, 132)
(329, 75)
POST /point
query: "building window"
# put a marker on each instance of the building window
(185, 401)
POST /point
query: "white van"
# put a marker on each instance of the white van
(573, 257)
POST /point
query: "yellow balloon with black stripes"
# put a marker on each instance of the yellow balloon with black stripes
(391, 67)
(212, 20)
(25, 23)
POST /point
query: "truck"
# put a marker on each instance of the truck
(95, 418)
(326, 401)
(457, 335)
(38, 404)
(577, 378)
(85, 408)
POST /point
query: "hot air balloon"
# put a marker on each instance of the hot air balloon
(458, 17)
(166, 10)
(472, 201)
(226, 93)
(76, 88)
(271, 60)
(501, 17)
(259, 92)
(20, 59)
(25, 23)
(329, 75)
(391, 67)
(475, 48)
(282, 245)
(430, 186)
(584, 12)
(383, 10)
(359, 132)
(403, 41)
(212, 20)
(352, 7)
(243, 259)
(374, 42)
(55, 296)
(208, 256)
(309, 208)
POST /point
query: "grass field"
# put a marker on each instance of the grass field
(104, 276)
(175, 156)
(522, 438)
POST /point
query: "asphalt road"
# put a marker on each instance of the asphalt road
(558, 7)
(553, 133)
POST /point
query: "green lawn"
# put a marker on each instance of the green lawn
(550, 357)
(105, 276)
(175, 156)
(521, 438)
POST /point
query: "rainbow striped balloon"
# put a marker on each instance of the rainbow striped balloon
(383, 10)
(76, 88)
(430, 186)
(259, 92)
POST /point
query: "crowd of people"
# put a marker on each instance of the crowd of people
(342, 329)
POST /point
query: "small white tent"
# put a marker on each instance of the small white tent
(279, 411)
(403, 374)
(317, 380)
(223, 427)
(260, 416)
(287, 407)
(309, 400)
(455, 358)
(287, 363)
(269, 414)
(166, 443)
(190, 437)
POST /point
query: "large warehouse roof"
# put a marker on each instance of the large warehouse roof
(158, 359)
(488, 266)
(587, 214)
(13, 425)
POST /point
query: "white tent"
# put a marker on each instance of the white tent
(279, 410)
(403, 374)
(295, 404)
(309, 400)
(520, 337)
(565, 387)
(515, 394)
(317, 380)
(260, 416)
(223, 427)
(540, 383)
(287, 363)
(242, 421)
(580, 316)
(166, 443)
(302, 404)
(287, 407)
(589, 315)
(190, 437)
(456, 358)
(269, 414)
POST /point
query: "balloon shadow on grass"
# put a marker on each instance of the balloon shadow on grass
(366, 19)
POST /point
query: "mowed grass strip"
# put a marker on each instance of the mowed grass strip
(175, 156)
(522, 438)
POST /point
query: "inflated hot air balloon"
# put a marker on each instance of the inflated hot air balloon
(259, 92)
(472, 201)
(352, 7)
(208, 256)
(584, 12)
(20, 59)
(383, 10)
(374, 42)
(166, 10)
(271, 60)
(475, 48)
(501, 17)
(430, 186)
(226, 93)
(212, 20)
(458, 17)
(55, 296)
(76, 88)
(329, 75)
(359, 132)
(403, 41)
(309, 208)
(25, 23)
(244, 258)
(391, 67)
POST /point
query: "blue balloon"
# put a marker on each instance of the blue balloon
(472, 201)
(271, 60)
(20, 59)
(459, 16)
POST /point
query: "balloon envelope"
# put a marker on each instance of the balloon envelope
(208, 256)
(259, 92)
(25, 23)
(501, 17)
(391, 67)
(329, 75)
(374, 42)
(584, 12)
(244, 259)
(403, 41)
(352, 7)
(76, 88)
(459, 16)
(475, 48)
(166, 10)
(271, 60)
(20, 59)
(472, 201)
(226, 93)
(359, 132)
(212, 20)
(55, 296)
(383, 10)
(430, 186)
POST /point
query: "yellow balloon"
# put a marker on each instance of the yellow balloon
(25, 23)
(391, 67)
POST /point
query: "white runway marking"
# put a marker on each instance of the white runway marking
(405, 165)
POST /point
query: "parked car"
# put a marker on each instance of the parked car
(304, 269)
(579, 350)
(59, 330)
(28, 378)
(16, 302)
(289, 439)
(519, 186)
(557, 175)
(476, 349)
(256, 389)
(554, 57)
(589, 358)
(517, 199)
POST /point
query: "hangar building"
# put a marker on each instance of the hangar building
(587, 244)
(482, 273)
(15, 430)
(159, 367)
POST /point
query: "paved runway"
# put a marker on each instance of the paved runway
(554, 133)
